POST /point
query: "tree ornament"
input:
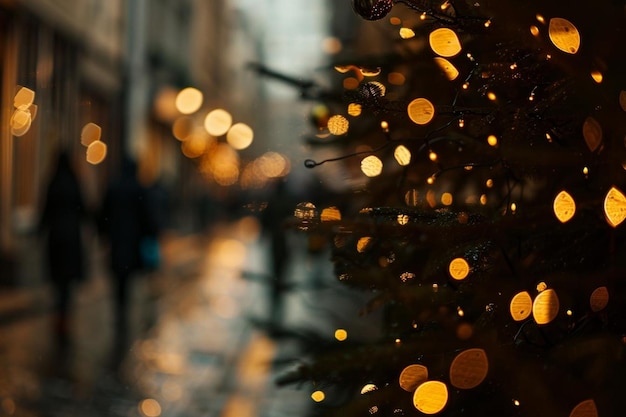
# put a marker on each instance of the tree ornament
(372, 9)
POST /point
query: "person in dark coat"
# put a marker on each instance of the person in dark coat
(126, 218)
(62, 221)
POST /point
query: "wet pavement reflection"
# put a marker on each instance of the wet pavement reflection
(194, 349)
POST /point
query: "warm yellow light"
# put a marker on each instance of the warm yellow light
(564, 35)
(459, 269)
(338, 125)
(585, 171)
(432, 156)
(461, 123)
(150, 408)
(189, 100)
(460, 312)
(444, 42)
(240, 136)
(96, 152)
(402, 219)
(412, 376)
(521, 306)
(402, 155)
(465, 85)
(318, 396)
(615, 207)
(597, 76)
(23, 98)
(483, 199)
(516, 403)
(372, 166)
(430, 180)
(217, 122)
(545, 306)
(489, 183)
(363, 243)
(395, 20)
(407, 33)
(492, 140)
(491, 96)
(431, 397)
(91, 132)
(330, 214)
(182, 127)
(540, 18)
(384, 125)
(447, 67)
(354, 109)
(421, 111)
(341, 334)
(564, 206)
(446, 199)
(534, 30)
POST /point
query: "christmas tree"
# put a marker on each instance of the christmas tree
(490, 141)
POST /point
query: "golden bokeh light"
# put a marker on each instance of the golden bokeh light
(217, 122)
(446, 199)
(20, 123)
(318, 396)
(23, 98)
(395, 20)
(542, 286)
(91, 132)
(182, 127)
(96, 152)
(534, 30)
(362, 243)
(599, 299)
(189, 100)
(372, 166)
(273, 165)
(564, 35)
(469, 369)
(564, 206)
(354, 109)
(421, 111)
(444, 42)
(406, 33)
(492, 140)
(546, 306)
(615, 207)
(195, 144)
(521, 306)
(341, 334)
(150, 408)
(586, 408)
(338, 125)
(412, 376)
(597, 76)
(330, 214)
(240, 136)
(459, 269)
(449, 70)
(431, 397)
(402, 155)
(368, 388)
(592, 132)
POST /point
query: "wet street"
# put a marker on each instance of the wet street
(199, 341)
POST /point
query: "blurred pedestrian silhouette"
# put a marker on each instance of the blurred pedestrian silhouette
(61, 223)
(124, 221)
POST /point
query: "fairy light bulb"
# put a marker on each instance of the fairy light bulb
(430, 180)
(465, 85)
(432, 156)
(384, 126)
(423, 16)
(488, 23)
(492, 140)
(461, 123)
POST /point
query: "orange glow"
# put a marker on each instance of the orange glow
(150, 408)
(189, 100)
(240, 136)
(217, 122)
